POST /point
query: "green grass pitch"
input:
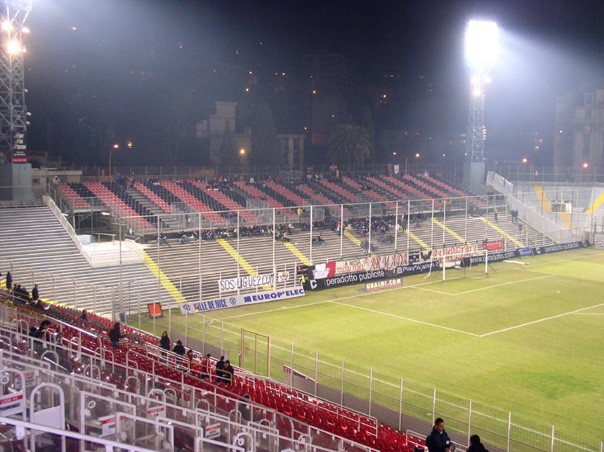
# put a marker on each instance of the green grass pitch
(526, 339)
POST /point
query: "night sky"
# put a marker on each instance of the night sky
(551, 47)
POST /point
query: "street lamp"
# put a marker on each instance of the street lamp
(113, 148)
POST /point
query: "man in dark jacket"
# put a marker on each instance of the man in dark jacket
(438, 440)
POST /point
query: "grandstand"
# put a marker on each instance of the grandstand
(215, 231)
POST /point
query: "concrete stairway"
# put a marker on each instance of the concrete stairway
(36, 248)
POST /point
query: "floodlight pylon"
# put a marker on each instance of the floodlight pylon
(480, 52)
(13, 111)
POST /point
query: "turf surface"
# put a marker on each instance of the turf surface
(526, 339)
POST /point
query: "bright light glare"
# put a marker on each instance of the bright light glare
(476, 91)
(481, 44)
(7, 26)
(585, 165)
(13, 47)
(25, 30)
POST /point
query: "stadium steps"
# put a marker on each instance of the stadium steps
(181, 265)
(38, 247)
(502, 232)
(454, 237)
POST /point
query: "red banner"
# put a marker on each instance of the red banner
(492, 246)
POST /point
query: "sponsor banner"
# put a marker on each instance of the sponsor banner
(436, 255)
(273, 295)
(245, 282)
(212, 431)
(368, 264)
(210, 305)
(417, 268)
(454, 252)
(345, 280)
(524, 251)
(600, 244)
(384, 283)
(12, 404)
(107, 425)
(493, 257)
(560, 247)
(492, 246)
(240, 300)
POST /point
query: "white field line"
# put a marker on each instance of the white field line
(502, 284)
(576, 311)
(588, 313)
(407, 318)
(364, 294)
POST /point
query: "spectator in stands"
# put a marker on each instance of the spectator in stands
(229, 373)
(41, 334)
(476, 445)
(219, 369)
(84, 315)
(178, 348)
(164, 344)
(115, 335)
(35, 293)
(9, 281)
(189, 357)
(438, 440)
(205, 366)
(244, 408)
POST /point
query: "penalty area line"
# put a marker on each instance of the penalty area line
(576, 311)
(406, 318)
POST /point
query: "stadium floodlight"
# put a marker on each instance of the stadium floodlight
(480, 54)
(481, 43)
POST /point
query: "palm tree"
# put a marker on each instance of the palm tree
(349, 144)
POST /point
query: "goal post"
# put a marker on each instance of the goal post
(255, 352)
(454, 261)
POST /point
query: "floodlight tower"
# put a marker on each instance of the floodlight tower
(480, 54)
(13, 112)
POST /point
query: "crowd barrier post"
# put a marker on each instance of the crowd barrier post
(274, 249)
(444, 203)
(316, 373)
(369, 231)
(465, 234)
(222, 338)
(469, 420)
(370, 390)
(341, 230)
(400, 404)
(396, 227)
(342, 385)
(310, 236)
(238, 238)
(509, 430)
(553, 443)
(199, 247)
(433, 404)
(408, 224)
(75, 299)
(138, 303)
(432, 225)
